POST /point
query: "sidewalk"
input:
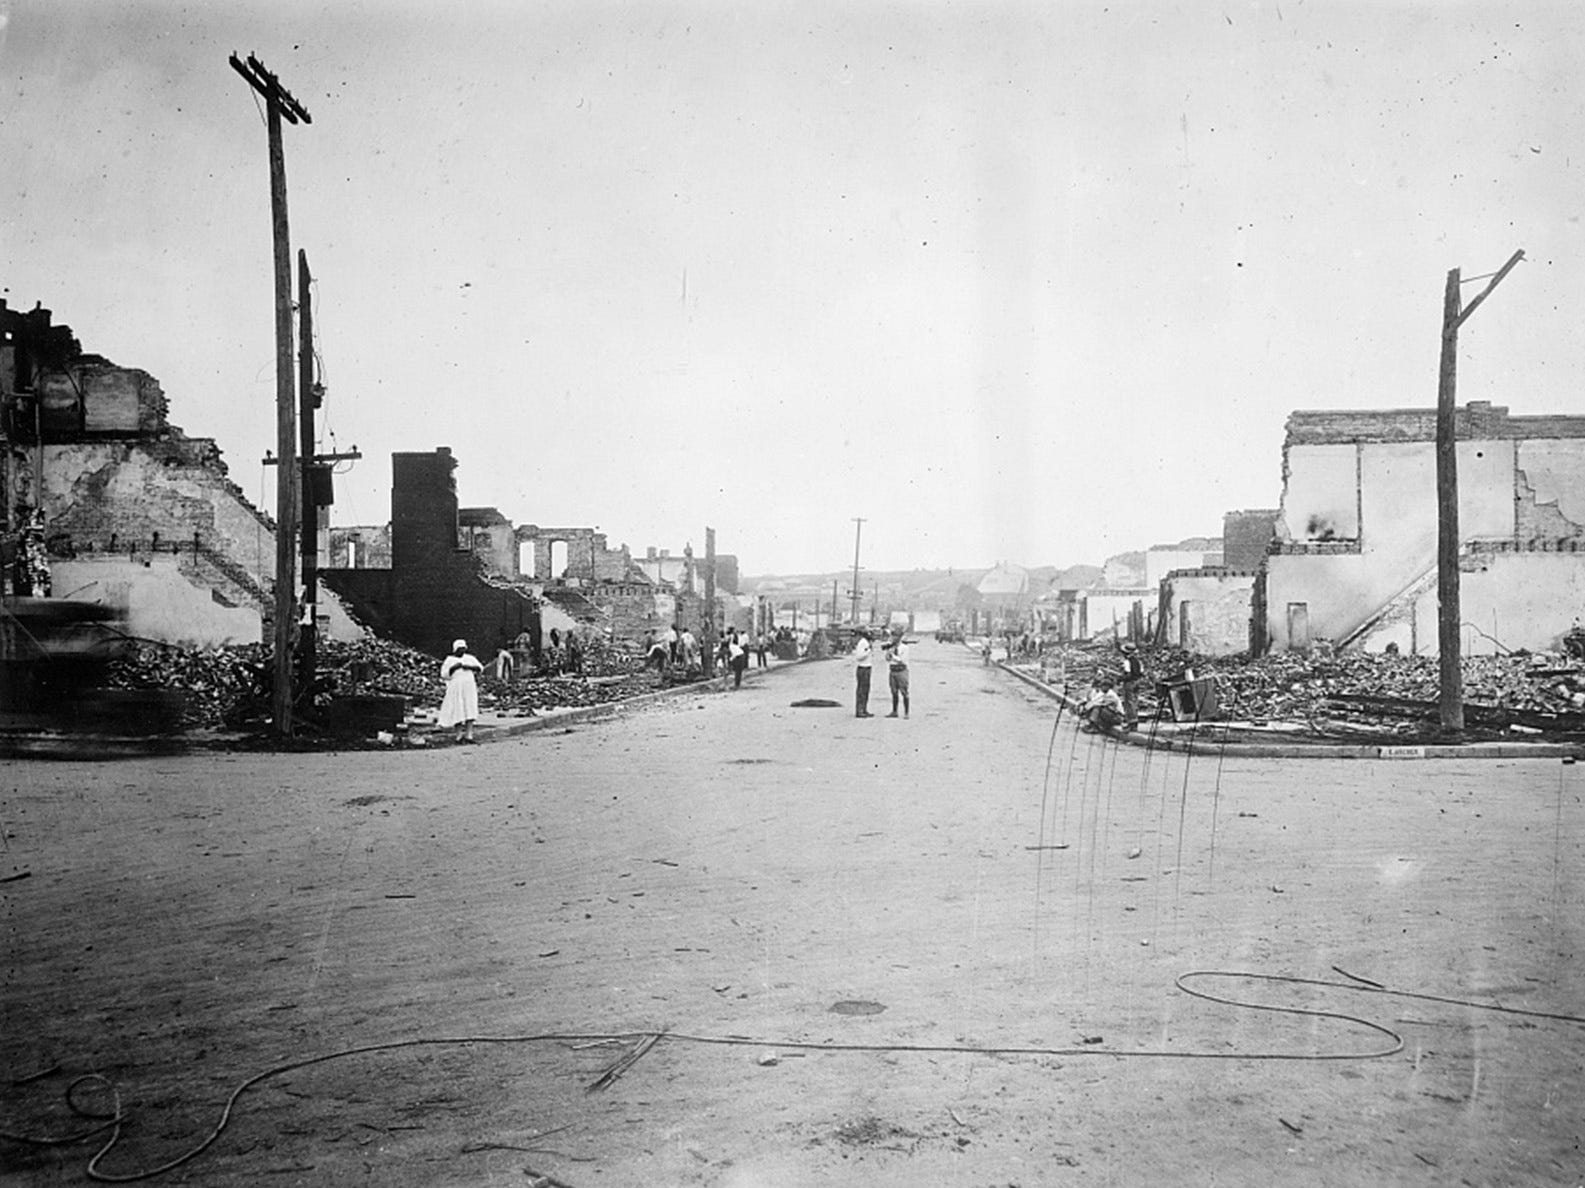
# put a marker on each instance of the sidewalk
(1176, 736)
(493, 727)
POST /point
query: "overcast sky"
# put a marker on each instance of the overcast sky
(1026, 281)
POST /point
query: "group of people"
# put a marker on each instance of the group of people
(561, 654)
(677, 645)
(1114, 703)
(895, 651)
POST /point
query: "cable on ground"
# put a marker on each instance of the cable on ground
(114, 1119)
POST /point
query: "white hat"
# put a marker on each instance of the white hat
(459, 645)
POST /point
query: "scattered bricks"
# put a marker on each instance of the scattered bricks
(230, 686)
(1401, 691)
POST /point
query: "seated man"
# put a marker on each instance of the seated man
(1102, 710)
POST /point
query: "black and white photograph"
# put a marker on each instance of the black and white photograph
(982, 593)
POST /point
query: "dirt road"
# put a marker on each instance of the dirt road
(728, 868)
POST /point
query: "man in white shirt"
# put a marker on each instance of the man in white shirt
(897, 672)
(863, 660)
(1102, 711)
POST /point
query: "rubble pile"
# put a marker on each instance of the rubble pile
(230, 686)
(380, 666)
(213, 680)
(603, 657)
(1544, 692)
(554, 692)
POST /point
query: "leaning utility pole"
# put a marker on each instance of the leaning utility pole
(858, 528)
(279, 104)
(1449, 611)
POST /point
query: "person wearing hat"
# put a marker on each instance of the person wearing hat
(1133, 675)
(461, 704)
(863, 660)
(897, 670)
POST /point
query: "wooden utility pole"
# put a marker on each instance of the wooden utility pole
(708, 627)
(278, 105)
(858, 529)
(308, 489)
(1449, 611)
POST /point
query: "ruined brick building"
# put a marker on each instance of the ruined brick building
(1206, 607)
(439, 571)
(106, 501)
(1356, 552)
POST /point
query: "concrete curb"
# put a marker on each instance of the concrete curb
(1277, 750)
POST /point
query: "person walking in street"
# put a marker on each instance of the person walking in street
(737, 657)
(897, 672)
(460, 706)
(863, 661)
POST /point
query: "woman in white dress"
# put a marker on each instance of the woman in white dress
(461, 705)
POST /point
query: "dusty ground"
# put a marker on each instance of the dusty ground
(724, 865)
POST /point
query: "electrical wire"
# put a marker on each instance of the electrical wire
(114, 1119)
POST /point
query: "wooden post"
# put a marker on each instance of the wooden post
(285, 435)
(307, 644)
(1451, 698)
(1449, 612)
(858, 529)
(278, 105)
(708, 642)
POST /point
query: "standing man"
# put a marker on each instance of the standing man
(897, 671)
(863, 659)
(1133, 675)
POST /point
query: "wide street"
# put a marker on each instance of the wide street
(940, 950)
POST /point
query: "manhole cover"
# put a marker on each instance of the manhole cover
(856, 1006)
(815, 703)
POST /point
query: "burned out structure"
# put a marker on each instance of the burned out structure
(471, 573)
(105, 501)
(1207, 607)
(1355, 559)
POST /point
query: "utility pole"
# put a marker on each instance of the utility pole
(308, 489)
(1449, 611)
(858, 528)
(279, 104)
(708, 627)
(314, 488)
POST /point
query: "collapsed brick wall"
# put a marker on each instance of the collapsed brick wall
(490, 537)
(588, 557)
(435, 590)
(637, 608)
(363, 547)
(1478, 419)
(1246, 536)
(94, 396)
(122, 497)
